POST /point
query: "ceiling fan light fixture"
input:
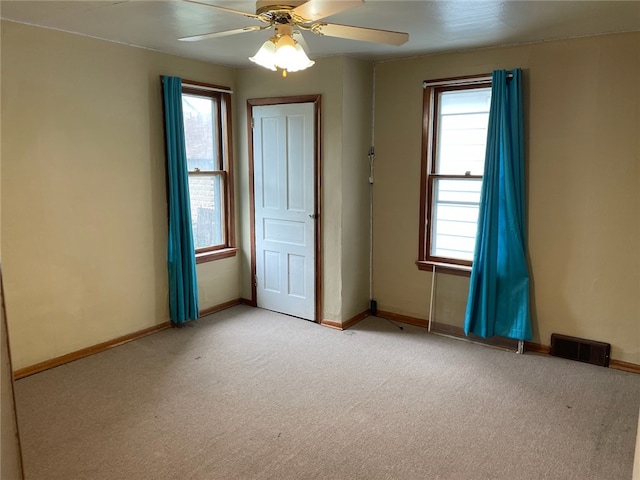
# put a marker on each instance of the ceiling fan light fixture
(282, 52)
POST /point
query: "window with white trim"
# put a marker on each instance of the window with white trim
(455, 123)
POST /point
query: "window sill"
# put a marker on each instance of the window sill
(451, 268)
(205, 257)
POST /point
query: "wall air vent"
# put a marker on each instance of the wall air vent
(588, 351)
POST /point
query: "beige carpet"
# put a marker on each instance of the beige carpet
(249, 394)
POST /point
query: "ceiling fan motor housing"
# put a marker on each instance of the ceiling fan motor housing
(263, 6)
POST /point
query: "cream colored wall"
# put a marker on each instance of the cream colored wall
(583, 181)
(10, 455)
(83, 191)
(356, 126)
(325, 78)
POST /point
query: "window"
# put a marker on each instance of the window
(455, 122)
(206, 114)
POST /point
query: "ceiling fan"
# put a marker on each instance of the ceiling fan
(288, 18)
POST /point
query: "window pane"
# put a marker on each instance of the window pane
(200, 131)
(206, 192)
(455, 217)
(463, 119)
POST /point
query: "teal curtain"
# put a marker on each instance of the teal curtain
(183, 285)
(498, 301)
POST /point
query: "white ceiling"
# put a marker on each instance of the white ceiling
(433, 26)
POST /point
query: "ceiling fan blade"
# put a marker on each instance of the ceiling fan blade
(204, 36)
(316, 9)
(360, 33)
(230, 10)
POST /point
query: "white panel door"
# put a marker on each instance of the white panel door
(284, 179)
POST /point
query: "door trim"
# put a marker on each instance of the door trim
(259, 102)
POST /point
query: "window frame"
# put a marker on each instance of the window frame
(222, 96)
(431, 91)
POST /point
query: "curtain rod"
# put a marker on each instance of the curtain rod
(460, 81)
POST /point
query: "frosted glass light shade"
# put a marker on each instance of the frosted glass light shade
(285, 52)
(266, 55)
(300, 60)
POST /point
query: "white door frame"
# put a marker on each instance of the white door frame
(256, 102)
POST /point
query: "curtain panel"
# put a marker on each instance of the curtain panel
(498, 300)
(181, 261)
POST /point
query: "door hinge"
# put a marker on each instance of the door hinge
(255, 280)
(252, 123)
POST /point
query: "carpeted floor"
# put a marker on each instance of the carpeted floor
(250, 394)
